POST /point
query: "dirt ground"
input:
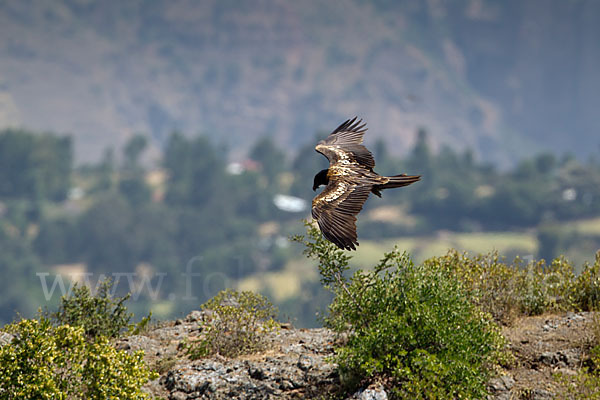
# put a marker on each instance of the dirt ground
(542, 347)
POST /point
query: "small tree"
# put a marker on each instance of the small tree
(48, 362)
(99, 314)
(410, 326)
(238, 325)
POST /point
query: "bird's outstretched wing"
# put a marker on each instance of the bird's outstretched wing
(345, 144)
(335, 210)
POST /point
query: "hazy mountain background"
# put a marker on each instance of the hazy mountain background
(511, 86)
(506, 78)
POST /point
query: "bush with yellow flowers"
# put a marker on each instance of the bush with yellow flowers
(44, 361)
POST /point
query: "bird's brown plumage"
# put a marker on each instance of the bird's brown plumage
(350, 179)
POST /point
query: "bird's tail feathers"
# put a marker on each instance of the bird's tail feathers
(394, 182)
(400, 180)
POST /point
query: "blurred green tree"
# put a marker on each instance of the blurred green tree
(196, 171)
(132, 151)
(105, 230)
(132, 184)
(19, 288)
(270, 157)
(34, 166)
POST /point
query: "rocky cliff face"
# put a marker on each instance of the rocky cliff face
(296, 365)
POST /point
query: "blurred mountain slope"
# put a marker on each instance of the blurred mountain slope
(505, 78)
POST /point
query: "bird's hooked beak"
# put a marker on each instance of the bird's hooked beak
(320, 179)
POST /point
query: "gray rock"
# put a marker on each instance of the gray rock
(152, 348)
(501, 386)
(5, 338)
(562, 358)
(257, 373)
(195, 316)
(286, 385)
(541, 394)
(575, 316)
(178, 396)
(372, 393)
(187, 381)
(168, 333)
(139, 342)
(297, 366)
(567, 371)
(572, 357)
(549, 358)
(304, 362)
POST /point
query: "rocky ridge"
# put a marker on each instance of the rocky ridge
(297, 365)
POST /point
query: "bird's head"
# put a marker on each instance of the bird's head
(321, 179)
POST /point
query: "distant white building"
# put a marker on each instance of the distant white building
(237, 168)
(75, 193)
(569, 194)
(289, 203)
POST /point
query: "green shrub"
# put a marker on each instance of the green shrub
(508, 290)
(559, 284)
(587, 286)
(542, 288)
(531, 291)
(58, 362)
(490, 283)
(409, 326)
(238, 325)
(99, 314)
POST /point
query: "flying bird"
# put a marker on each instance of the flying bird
(349, 180)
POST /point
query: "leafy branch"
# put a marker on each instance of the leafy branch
(333, 261)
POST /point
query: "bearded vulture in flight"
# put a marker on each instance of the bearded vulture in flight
(349, 180)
